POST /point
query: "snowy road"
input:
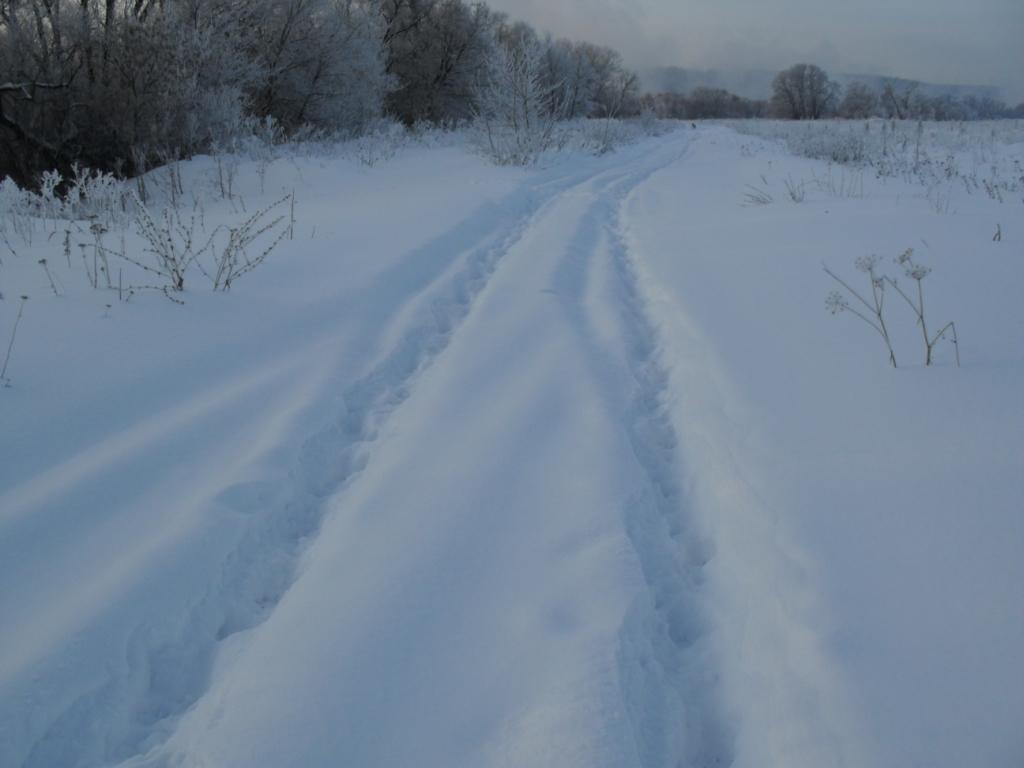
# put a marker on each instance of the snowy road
(508, 581)
(497, 496)
(504, 574)
(480, 594)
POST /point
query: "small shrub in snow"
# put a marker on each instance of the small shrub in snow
(227, 169)
(50, 205)
(234, 259)
(873, 312)
(649, 122)
(177, 245)
(15, 210)
(845, 184)
(918, 272)
(599, 136)
(795, 190)
(604, 135)
(172, 242)
(90, 195)
(380, 143)
(757, 196)
(94, 195)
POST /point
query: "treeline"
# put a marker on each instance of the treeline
(908, 102)
(122, 84)
(703, 103)
(805, 92)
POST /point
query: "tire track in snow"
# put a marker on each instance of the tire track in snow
(669, 672)
(593, 726)
(668, 675)
(166, 668)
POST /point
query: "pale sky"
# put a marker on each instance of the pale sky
(949, 41)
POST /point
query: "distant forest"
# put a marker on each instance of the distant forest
(695, 94)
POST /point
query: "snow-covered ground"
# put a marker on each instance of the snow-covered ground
(560, 467)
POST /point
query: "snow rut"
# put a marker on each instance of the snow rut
(668, 670)
(166, 668)
(668, 674)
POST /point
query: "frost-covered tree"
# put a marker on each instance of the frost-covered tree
(897, 99)
(165, 86)
(516, 113)
(859, 101)
(803, 92)
(118, 83)
(127, 78)
(121, 84)
(571, 69)
(984, 108)
(322, 63)
(704, 103)
(436, 51)
(615, 87)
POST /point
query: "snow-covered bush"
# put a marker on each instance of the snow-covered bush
(649, 122)
(95, 195)
(516, 114)
(91, 196)
(15, 209)
(380, 142)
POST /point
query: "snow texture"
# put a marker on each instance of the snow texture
(563, 467)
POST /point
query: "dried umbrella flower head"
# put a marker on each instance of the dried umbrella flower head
(836, 303)
(912, 269)
(866, 263)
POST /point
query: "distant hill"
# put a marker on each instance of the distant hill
(757, 84)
